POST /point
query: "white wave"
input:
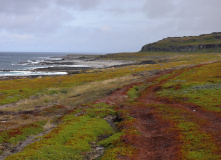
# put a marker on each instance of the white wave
(34, 62)
(44, 57)
(46, 66)
(28, 73)
(77, 66)
(51, 58)
(33, 68)
(14, 63)
(29, 62)
(56, 59)
(69, 66)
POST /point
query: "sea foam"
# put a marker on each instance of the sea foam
(28, 73)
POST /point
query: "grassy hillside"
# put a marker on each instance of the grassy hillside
(206, 43)
(214, 38)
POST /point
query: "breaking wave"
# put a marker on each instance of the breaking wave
(29, 73)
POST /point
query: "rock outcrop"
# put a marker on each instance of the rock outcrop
(207, 42)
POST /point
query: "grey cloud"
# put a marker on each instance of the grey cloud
(158, 8)
(125, 7)
(44, 22)
(80, 4)
(201, 15)
(15, 7)
(39, 16)
(117, 10)
(188, 15)
(104, 25)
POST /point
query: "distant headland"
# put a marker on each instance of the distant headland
(205, 42)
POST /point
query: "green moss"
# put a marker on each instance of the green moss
(18, 134)
(200, 85)
(68, 141)
(101, 112)
(110, 140)
(113, 153)
(135, 90)
(72, 138)
(103, 105)
(195, 143)
(121, 143)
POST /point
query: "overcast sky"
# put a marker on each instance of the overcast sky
(101, 26)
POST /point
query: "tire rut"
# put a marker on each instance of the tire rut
(158, 139)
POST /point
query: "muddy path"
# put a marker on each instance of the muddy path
(158, 139)
(154, 142)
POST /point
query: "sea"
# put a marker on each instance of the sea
(23, 64)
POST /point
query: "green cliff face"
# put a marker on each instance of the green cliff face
(205, 42)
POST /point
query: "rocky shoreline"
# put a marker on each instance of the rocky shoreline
(72, 64)
(81, 62)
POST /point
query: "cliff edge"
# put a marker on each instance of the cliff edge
(205, 42)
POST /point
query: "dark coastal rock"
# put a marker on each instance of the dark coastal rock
(148, 62)
(185, 48)
(62, 69)
(97, 151)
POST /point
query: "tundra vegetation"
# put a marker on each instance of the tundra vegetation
(108, 113)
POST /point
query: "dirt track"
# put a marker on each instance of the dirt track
(158, 138)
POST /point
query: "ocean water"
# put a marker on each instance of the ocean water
(23, 64)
